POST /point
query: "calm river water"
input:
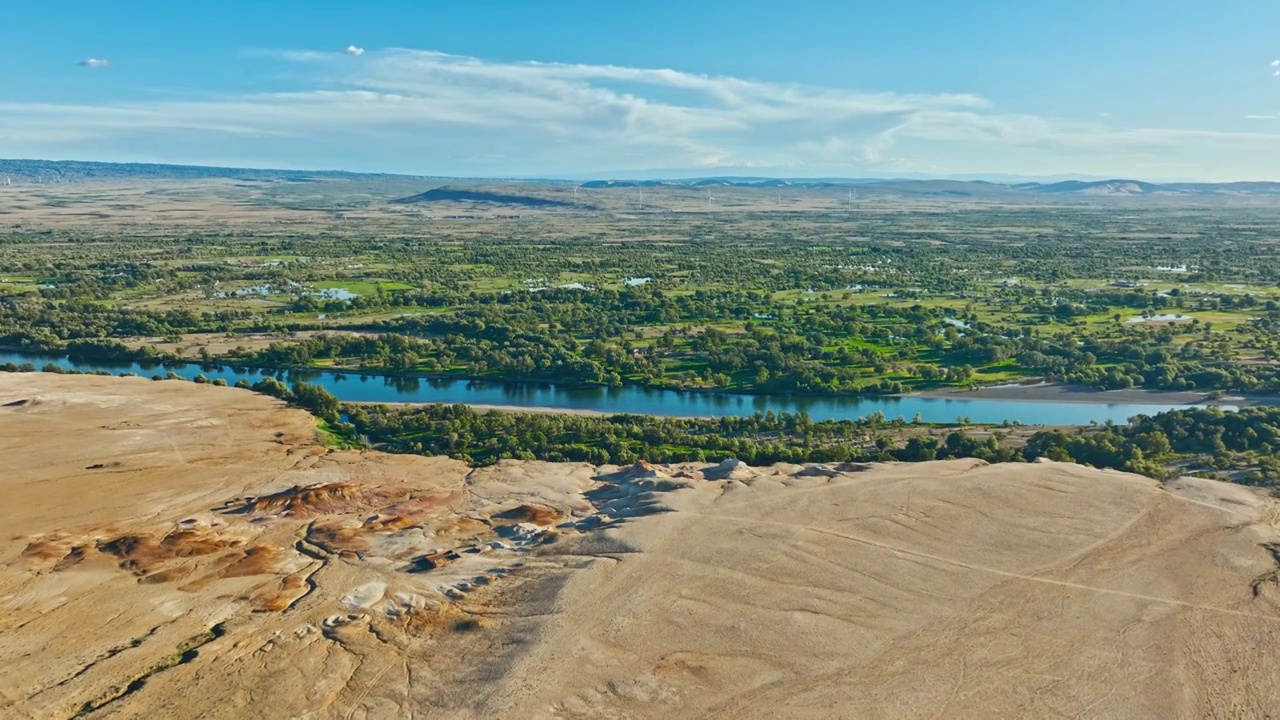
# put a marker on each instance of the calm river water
(356, 387)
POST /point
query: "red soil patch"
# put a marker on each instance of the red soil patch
(45, 549)
(291, 589)
(337, 537)
(259, 560)
(139, 554)
(301, 501)
(389, 524)
(527, 513)
(173, 574)
(462, 527)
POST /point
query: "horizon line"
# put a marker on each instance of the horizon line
(686, 175)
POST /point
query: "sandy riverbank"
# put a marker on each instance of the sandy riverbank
(1059, 392)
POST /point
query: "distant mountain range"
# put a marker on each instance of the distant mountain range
(464, 190)
(55, 171)
(974, 188)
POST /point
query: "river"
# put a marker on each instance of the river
(358, 387)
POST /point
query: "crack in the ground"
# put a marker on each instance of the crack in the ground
(110, 653)
(1268, 578)
(315, 553)
(186, 652)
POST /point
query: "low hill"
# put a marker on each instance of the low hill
(605, 184)
(467, 195)
(196, 537)
(1138, 187)
(1102, 187)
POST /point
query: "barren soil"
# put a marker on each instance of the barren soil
(177, 550)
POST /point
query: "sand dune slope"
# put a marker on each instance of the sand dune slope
(173, 550)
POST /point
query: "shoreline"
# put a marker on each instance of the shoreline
(1037, 393)
(1065, 393)
(515, 409)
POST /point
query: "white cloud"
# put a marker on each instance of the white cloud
(431, 112)
(1262, 117)
(353, 50)
(93, 63)
(1275, 63)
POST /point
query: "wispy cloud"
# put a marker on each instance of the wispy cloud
(456, 114)
(93, 63)
(632, 115)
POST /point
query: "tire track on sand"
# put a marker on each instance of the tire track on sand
(990, 570)
(735, 705)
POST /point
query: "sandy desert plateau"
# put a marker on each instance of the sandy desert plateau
(173, 550)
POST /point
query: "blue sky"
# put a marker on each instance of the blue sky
(1156, 90)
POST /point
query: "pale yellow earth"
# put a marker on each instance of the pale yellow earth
(173, 550)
